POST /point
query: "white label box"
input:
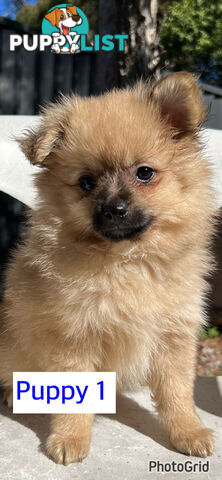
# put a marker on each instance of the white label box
(64, 392)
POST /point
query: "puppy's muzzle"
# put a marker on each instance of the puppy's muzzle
(114, 212)
(116, 221)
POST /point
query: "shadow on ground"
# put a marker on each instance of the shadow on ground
(207, 395)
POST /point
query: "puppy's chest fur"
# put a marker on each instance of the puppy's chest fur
(114, 314)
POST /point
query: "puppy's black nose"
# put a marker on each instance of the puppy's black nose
(114, 210)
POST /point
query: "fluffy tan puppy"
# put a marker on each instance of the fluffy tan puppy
(111, 276)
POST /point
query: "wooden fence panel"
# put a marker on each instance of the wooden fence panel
(30, 79)
(218, 112)
(82, 70)
(214, 117)
(25, 83)
(44, 82)
(7, 75)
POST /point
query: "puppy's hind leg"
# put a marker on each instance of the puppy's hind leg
(9, 361)
(171, 381)
(8, 397)
(5, 377)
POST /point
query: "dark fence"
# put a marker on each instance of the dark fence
(213, 100)
(30, 79)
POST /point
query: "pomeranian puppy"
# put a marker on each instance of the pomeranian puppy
(112, 274)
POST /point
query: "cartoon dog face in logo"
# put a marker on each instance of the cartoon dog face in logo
(64, 18)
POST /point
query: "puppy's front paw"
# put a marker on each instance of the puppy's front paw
(199, 443)
(67, 450)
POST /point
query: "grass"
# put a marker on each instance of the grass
(211, 332)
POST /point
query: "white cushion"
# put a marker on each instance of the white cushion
(16, 173)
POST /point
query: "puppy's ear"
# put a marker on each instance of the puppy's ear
(51, 16)
(71, 9)
(180, 102)
(39, 144)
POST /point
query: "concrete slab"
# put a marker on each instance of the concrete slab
(122, 444)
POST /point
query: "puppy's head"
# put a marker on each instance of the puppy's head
(125, 165)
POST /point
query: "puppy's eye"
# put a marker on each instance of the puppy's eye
(144, 174)
(62, 17)
(87, 183)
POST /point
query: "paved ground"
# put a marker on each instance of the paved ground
(122, 445)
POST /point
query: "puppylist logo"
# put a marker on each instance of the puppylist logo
(65, 24)
(65, 29)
